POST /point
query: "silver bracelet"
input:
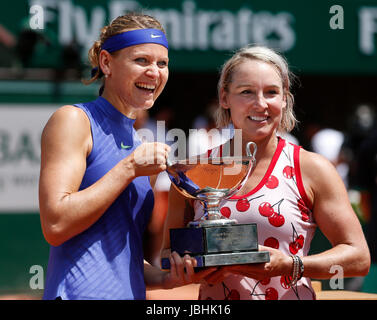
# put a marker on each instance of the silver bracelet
(298, 270)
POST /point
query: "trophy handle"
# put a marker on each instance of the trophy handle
(248, 151)
(251, 154)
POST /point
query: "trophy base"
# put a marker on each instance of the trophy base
(211, 223)
(222, 259)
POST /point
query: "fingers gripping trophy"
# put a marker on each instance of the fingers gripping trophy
(214, 240)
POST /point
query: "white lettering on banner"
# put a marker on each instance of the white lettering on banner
(188, 27)
(225, 30)
(20, 155)
(116, 8)
(85, 31)
(337, 20)
(367, 30)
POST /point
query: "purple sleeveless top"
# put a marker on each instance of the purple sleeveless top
(106, 260)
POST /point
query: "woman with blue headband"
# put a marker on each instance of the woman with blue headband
(95, 195)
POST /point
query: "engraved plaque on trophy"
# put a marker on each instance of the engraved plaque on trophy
(214, 240)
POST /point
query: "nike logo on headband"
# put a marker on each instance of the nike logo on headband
(155, 36)
(123, 146)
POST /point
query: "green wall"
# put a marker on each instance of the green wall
(22, 246)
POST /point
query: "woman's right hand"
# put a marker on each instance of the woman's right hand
(150, 158)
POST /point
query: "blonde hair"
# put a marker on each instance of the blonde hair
(261, 53)
(127, 22)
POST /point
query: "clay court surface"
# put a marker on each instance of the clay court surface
(189, 292)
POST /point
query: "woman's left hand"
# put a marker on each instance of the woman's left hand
(279, 264)
(182, 271)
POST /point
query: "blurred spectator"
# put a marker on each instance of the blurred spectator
(360, 125)
(40, 48)
(159, 124)
(363, 145)
(328, 142)
(204, 135)
(72, 59)
(28, 41)
(367, 185)
(6, 37)
(7, 44)
(367, 174)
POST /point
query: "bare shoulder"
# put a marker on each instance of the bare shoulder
(68, 125)
(67, 118)
(70, 115)
(313, 161)
(319, 174)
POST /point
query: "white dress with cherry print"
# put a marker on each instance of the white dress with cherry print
(280, 207)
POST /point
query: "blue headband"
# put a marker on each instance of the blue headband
(134, 37)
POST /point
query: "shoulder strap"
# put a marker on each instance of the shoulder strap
(300, 184)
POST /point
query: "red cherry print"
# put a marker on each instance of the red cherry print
(265, 281)
(272, 182)
(300, 241)
(271, 294)
(277, 220)
(242, 205)
(293, 247)
(271, 242)
(297, 241)
(288, 172)
(265, 209)
(233, 295)
(285, 281)
(225, 211)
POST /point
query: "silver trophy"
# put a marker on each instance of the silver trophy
(214, 240)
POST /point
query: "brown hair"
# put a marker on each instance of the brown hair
(264, 54)
(127, 22)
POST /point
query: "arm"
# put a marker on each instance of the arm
(154, 232)
(180, 212)
(181, 273)
(66, 142)
(182, 268)
(335, 218)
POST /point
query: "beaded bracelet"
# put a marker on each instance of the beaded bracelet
(298, 270)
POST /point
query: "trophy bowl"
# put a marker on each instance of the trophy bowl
(214, 240)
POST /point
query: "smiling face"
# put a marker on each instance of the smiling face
(136, 76)
(255, 98)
